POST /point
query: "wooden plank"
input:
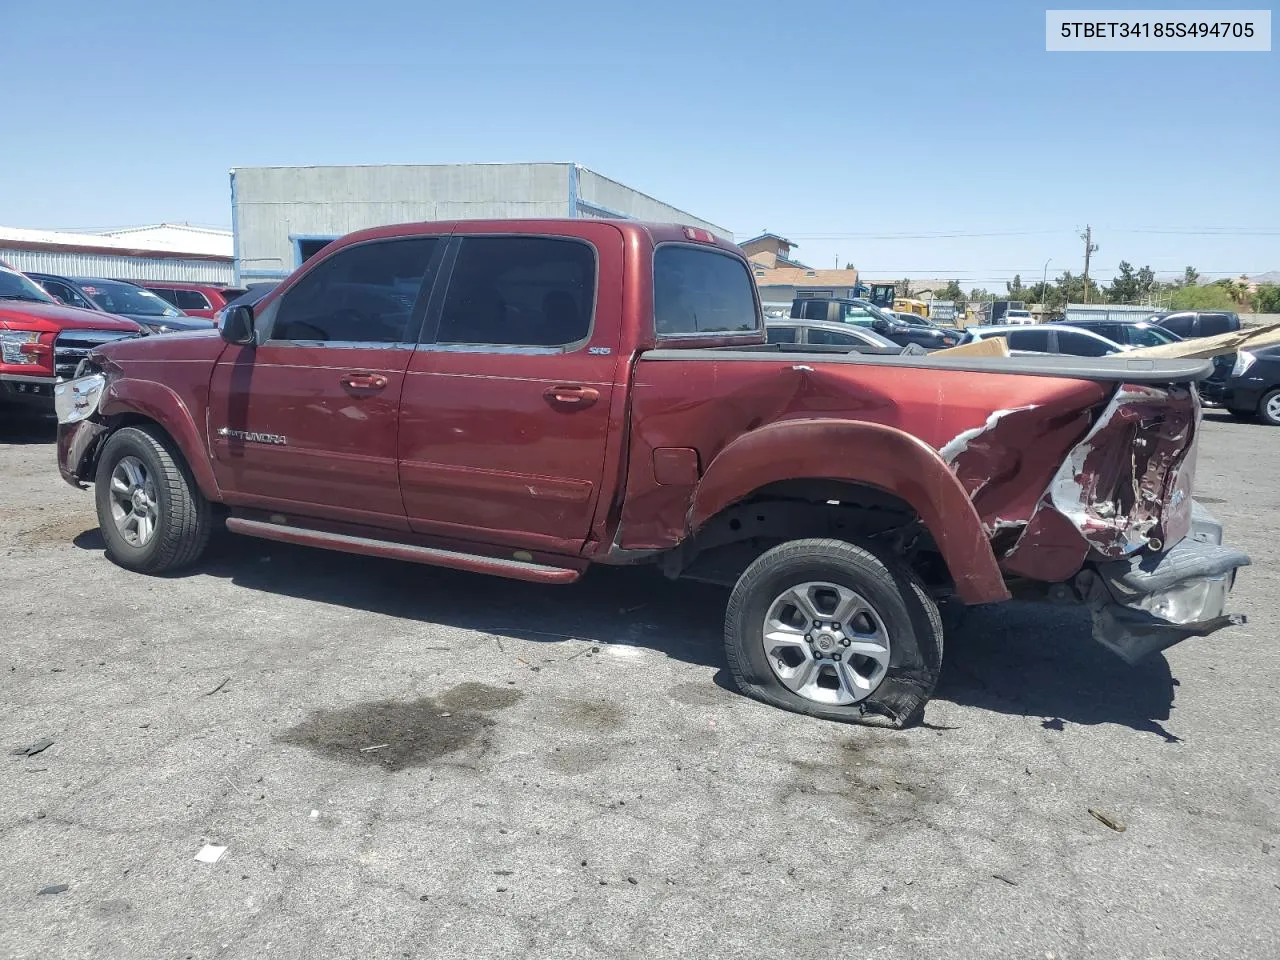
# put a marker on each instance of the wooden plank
(992, 347)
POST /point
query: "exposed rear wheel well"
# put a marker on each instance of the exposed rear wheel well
(803, 509)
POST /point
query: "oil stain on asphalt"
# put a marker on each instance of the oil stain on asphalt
(395, 734)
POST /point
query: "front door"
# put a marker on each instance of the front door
(506, 406)
(306, 423)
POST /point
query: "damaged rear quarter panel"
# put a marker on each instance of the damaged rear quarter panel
(706, 405)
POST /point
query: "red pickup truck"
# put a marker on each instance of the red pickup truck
(528, 398)
(41, 341)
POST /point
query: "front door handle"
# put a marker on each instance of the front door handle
(571, 395)
(364, 381)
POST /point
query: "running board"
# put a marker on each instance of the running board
(513, 569)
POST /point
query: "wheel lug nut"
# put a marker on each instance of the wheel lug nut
(835, 656)
(845, 641)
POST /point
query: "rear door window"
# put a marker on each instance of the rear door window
(699, 291)
(1033, 340)
(835, 337)
(190, 300)
(1082, 345)
(166, 294)
(781, 334)
(520, 291)
(363, 294)
(1183, 324)
(1212, 324)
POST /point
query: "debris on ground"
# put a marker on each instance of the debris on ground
(39, 746)
(56, 888)
(1003, 879)
(210, 854)
(223, 683)
(1107, 820)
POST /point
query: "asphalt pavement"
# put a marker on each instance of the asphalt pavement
(409, 762)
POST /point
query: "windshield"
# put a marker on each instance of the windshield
(14, 286)
(125, 298)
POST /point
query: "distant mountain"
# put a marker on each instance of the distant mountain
(1271, 276)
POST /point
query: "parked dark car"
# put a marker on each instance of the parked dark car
(1204, 323)
(1139, 333)
(864, 313)
(122, 298)
(853, 338)
(1247, 384)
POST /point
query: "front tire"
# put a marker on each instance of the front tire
(830, 629)
(153, 517)
(1269, 408)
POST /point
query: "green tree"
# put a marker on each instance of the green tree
(1190, 277)
(951, 291)
(1267, 299)
(1212, 296)
(1015, 288)
(1146, 280)
(849, 266)
(1124, 286)
(903, 289)
(979, 294)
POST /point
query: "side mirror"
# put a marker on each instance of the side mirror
(237, 326)
(880, 326)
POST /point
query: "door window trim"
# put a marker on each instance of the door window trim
(416, 314)
(429, 331)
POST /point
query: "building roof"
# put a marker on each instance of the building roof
(798, 277)
(157, 240)
(769, 236)
(178, 237)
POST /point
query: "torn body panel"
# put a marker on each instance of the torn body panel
(1125, 486)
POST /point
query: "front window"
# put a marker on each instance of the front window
(701, 291)
(14, 286)
(1144, 336)
(115, 297)
(853, 313)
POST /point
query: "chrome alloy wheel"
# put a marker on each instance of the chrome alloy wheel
(134, 506)
(826, 643)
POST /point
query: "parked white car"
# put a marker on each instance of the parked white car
(1049, 338)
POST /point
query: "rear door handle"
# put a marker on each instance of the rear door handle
(571, 395)
(364, 381)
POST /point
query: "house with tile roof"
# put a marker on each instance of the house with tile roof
(781, 278)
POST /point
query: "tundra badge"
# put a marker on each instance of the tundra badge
(250, 437)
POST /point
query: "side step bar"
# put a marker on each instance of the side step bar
(513, 569)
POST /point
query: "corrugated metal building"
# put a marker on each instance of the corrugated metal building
(174, 252)
(281, 216)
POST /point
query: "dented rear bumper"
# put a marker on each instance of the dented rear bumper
(1147, 602)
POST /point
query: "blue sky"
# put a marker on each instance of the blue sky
(852, 128)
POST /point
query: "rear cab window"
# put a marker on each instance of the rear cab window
(699, 291)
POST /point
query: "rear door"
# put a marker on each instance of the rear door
(506, 405)
(307, 422)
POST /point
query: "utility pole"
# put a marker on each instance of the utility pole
(1089, 248)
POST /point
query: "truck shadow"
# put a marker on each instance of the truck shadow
(1018, 659)
(1039, 660)
(19, 430)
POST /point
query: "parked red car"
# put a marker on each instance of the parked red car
(41, 341)
(529, 398)
(193, 299)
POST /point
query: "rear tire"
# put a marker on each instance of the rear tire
(889, 638)
(153, 517)
(1269, 408)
